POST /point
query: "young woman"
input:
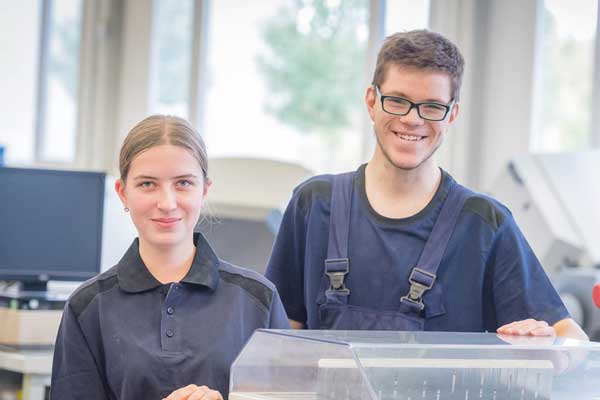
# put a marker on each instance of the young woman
(168, 320)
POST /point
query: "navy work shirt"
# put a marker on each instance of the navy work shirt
(489, 276)
(124, 335)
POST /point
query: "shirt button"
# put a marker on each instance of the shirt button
(170, 310)
(170, 333)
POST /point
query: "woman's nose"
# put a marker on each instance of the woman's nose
(167, 200)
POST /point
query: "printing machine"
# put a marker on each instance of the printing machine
(555, 199)
(247, 200)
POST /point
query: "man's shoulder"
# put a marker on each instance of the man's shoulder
(315, 189)
(319, 185)
(488, 209)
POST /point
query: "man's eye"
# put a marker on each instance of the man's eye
(434, 107)
(146, 184)
(398, 102)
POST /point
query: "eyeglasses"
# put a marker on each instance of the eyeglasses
(401, 106)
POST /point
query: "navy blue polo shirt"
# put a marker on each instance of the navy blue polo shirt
(489, 276)
(124, 335)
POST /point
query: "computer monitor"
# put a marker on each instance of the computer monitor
(50, 225)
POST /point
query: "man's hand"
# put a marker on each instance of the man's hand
(527, 327)
(193, 392)
(530, 327)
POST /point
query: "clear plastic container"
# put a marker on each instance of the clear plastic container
(352, 365)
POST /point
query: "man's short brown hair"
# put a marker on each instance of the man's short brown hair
(421, 49)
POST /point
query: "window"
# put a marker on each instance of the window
(286, 79)
(283, 81)
(171, 59)
(18, 71)
(567, 68)
(405, 15)
(60, 83)
(39, 76)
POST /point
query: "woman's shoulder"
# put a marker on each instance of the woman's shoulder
(250, 281)
(83, 296)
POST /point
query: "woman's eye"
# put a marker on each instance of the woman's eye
(185, 183)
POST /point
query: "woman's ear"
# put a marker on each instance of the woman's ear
(207, 185)
(120, 189)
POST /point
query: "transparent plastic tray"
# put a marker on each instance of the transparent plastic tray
(353, 365)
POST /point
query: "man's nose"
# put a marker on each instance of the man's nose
(412, 118)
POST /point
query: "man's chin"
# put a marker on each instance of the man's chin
(406, 164)
(409, 162)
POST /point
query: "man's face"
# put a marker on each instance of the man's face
(408, 142)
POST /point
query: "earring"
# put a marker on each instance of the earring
(126, 209)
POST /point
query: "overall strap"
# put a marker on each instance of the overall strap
(337, 265)
(423, 276)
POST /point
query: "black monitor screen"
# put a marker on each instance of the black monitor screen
(51, 224)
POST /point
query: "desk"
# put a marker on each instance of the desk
(35, 365)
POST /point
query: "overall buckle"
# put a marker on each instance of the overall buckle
(336, 270)
(418, 287)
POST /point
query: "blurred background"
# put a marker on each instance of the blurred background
(285, 79)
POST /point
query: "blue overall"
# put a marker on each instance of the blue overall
(334, 310)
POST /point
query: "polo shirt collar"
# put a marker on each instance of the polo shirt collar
(134, 277)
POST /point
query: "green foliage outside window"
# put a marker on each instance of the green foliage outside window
(314, 64)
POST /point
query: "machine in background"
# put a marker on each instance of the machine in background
(245, 207)
(555, 199)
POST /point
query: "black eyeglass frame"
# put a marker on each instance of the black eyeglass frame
(448, 106)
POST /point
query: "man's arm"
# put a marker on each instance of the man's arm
(571, 329)
(296, 324)
(525, 301)
(286, 263)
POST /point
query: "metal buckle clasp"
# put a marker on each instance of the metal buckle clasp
(337, 275)
(417, 289)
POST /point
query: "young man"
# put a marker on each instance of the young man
(398, 244)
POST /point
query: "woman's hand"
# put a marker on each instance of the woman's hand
(193, 392)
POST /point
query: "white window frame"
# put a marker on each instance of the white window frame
(41, 98)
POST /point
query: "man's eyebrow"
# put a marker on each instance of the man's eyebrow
(404, 96)
(145, 177)
(186, 176)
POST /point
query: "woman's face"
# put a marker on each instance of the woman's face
(164, 192)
